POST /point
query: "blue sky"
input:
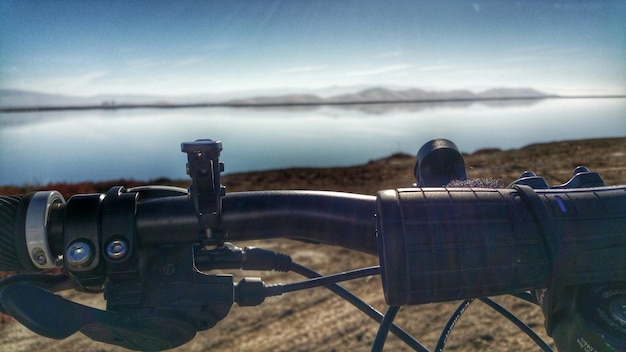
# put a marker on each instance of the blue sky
(177, 48)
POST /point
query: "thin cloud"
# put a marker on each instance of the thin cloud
(391, 54)
(379, 71)
(76, 84)
(568, 51)
(145, 63)
(518, 59)
(190, 61)
(82, 81)
(215, 46)
(303, 69)
(437, 68)
(542, 50)
(10, 69)
(90, 76)
(530, 49)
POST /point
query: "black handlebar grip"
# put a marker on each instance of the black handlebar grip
(447, 244)
(13, 249)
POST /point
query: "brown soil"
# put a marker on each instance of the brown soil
(316, 320)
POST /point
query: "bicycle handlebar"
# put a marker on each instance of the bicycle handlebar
(339, 219)
(434, 244)
(335, 218)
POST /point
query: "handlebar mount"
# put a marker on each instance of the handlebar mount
(146, 249)
(206, 190)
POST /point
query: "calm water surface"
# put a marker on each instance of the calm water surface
(71, 146)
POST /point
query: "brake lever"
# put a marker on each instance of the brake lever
(55, 317)
(52, 283)
(42, 311)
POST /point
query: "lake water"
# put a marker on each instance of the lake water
(143, 144)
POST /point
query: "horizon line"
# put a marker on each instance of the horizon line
(291, 104)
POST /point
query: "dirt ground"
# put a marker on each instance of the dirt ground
(317, 320)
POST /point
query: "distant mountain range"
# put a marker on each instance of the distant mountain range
(18, 99)
(388, 95)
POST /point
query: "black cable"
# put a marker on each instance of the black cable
(520, 324)
(321, 281)
(383, 329)
(362, 306)
(445, 333)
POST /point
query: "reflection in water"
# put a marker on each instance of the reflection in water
(379, 109)
(19, 118)
(145, 143)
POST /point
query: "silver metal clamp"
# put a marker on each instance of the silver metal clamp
(37, 216)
